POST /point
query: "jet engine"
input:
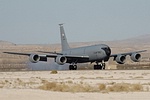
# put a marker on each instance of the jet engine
(34, 58)
(61, 60)
(136, 57)
(120, 59)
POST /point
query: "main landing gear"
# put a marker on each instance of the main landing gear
(100, 66)
(73, 67)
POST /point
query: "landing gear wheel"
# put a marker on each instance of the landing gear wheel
(72, 67)
(75, 67)
(103, 65)
(99, 66)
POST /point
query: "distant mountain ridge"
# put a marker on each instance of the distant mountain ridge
(6, 43)
(139, 40)
(143, 39)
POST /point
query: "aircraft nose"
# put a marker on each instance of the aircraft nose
(107, 51)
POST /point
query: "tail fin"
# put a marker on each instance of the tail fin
(64, 43)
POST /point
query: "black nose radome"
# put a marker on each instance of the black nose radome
(107, 51)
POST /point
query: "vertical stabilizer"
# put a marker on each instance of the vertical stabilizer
(64, 43)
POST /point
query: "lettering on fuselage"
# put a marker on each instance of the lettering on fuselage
(97, 52)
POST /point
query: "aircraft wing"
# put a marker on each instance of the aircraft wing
(15, 53)
(128, 53)
(50, 52)
(76, 56)
(28, 54)
(53, 55)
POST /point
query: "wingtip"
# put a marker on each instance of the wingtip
(143, 50)
(5, 52)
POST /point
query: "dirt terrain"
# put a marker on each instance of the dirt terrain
(73, 85)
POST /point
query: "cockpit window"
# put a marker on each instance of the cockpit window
(107, 50)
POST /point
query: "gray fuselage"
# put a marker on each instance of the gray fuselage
(97, 53)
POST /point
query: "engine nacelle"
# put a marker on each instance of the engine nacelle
(120, 59)
(34, 58)
(61, 60)
(136, 57)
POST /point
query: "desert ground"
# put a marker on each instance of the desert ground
(130, 81)
(75, 85)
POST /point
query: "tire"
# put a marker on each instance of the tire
(97, 67)
(75, 67)
(72, 67)
(103, 66)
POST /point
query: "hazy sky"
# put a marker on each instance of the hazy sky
(36, 21)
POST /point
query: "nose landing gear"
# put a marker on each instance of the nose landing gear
(100, 66)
